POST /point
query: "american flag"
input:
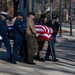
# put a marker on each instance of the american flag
(44, 32)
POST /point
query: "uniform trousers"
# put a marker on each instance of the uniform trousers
(18, 41)
(6, 42)
(40, 51)
(32, 47)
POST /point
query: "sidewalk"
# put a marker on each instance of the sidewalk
(66, 35)
(66, 66)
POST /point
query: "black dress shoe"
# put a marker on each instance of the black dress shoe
(42, 59)
(9, 60)
(25, 61)
(48, 59)
(56, 60)
(13, 62)
(32, 63)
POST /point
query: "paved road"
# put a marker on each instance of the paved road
(68, 25)
(66, 31)
(65, 51)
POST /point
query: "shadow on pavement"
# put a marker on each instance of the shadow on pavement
(66, 66)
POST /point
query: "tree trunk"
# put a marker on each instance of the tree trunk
(67, 16)
(30, 5)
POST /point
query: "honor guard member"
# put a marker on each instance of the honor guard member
(31, 34)
(40, 55)
(18, 33)
(4, 33)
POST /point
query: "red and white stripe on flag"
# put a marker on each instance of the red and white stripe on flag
(44, 32)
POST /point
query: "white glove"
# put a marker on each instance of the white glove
(37, 35)
(1, 38)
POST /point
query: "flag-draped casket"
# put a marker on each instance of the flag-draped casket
(44, 32)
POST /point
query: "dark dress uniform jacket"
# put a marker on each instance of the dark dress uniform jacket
(3, 27)
(18, 29)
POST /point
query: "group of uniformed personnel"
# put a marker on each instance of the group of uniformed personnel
(5, 38)
(24, 38)
(20, 36)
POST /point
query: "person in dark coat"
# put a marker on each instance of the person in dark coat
(40, 55)
(18, 35)
(4, 34)
(55, 26)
